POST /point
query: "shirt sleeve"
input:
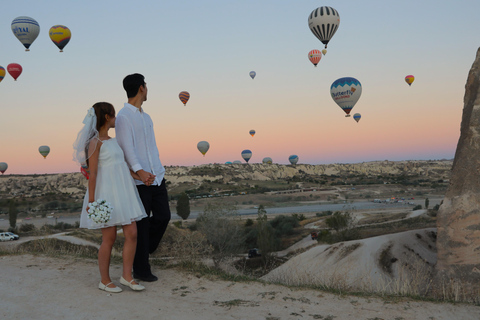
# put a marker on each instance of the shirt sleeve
(124, 135)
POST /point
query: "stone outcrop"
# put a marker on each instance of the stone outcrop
(458, 221)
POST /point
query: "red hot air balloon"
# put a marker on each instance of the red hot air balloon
(314, 56)
(184, 96)
(15, 70)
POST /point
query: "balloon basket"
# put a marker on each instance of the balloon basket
(27, 49)
(346, 116)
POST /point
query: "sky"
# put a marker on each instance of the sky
(209, 47)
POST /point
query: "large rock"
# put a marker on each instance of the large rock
(459, 216)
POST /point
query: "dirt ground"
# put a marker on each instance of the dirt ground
(39, 287)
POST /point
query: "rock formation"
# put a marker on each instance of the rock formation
(458, 221)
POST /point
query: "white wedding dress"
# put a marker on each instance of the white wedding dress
(115, 185)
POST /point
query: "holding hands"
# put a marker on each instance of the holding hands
(146, 177)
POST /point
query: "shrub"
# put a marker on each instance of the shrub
(417, 207)
(249, 223)
(284, 225)
(27, 227)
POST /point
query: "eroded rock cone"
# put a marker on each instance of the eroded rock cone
(458, 240)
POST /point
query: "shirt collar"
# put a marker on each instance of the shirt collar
(132, 108)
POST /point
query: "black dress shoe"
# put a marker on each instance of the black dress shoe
(147, 278)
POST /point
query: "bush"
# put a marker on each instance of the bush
(284, 225)
(249, 223)
(27, 227)
(299, 217)
(417, 207)
(324, 213)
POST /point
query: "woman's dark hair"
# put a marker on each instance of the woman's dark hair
(101, 110)
(132, 83)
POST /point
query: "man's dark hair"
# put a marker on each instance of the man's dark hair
(132, 83)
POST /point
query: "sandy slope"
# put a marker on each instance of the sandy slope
(37, 287)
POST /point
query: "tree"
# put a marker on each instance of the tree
(220, 224)
(427, 202)
(183, 206)
(12, 214)
(266, 241)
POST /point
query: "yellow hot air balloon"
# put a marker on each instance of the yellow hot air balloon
(44, 151)
(2, 73)
(60, 35)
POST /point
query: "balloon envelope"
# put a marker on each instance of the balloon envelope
(346, 92)
(184, 96)
(252, 132)
(203, 147)
(314, 56)
(60, 35)
(237, 162)
(2, 73)
(357, 117)
(44, 151)
(293, 159)
(3, 167)
(246, 155)
(15, 70)
(323, 23)
(409, 79)
(267, 160)
(253, 74)
(26, 30)
(228, 162)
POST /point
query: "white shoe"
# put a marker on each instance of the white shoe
(135, 287)
(106, 287)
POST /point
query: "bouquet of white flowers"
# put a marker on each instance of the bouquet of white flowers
(100, 211)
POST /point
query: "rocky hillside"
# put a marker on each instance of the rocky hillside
(75, 183)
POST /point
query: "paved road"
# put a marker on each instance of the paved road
(307, 208)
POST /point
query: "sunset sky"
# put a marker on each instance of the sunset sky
(209, 47)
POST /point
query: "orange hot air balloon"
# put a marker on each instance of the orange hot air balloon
(314, 56)
(2, 73)
(15, 70)
(409, 79)
(184, 96)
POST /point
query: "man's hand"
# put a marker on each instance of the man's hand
(146, 177)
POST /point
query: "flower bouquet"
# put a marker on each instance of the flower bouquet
(100, 211)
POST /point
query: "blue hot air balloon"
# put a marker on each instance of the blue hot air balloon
(26, 30)
(267, 160)
(293, 159)
(246, 155)
(253, 74)
(357, 117)
(346, 92)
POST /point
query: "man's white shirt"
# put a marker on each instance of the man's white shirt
(134, 133)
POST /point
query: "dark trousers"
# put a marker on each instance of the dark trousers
(150, 230)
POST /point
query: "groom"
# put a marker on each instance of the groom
(134, 133)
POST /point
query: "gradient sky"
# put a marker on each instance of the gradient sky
(209, 47)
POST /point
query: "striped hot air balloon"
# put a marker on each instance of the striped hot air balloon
(26, 30)
(314, 56)
(184, 96)
(357, 117)
(44, 151)
(60, 35)
(252, 132)
(246, 155)
(323, 23)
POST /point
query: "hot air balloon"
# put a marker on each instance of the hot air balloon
(324, 51)
(44, 151)
(346, 92)
(324, 22)
(253, 74)
(314, 56)
(60, 35)
(293, 159)
(228, 162)
(2, 73)
(357, 117)
(252, 132)
(409, 79)
(237, 162)
(246, 155)
(184, 96)
(15, 70)
(3, 167)
(267, 160)
(203, 147)
(26, 30)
